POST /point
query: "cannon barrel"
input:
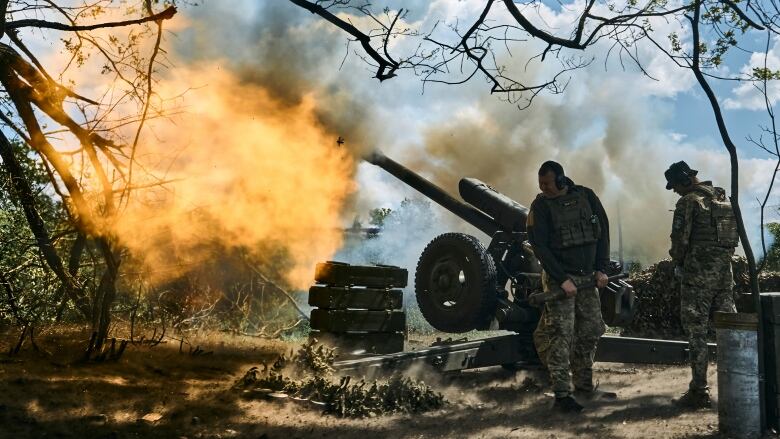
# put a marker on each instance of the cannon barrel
(508, 213)
(467, 213)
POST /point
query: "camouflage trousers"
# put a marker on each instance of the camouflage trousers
(707, 285)
(567, 335)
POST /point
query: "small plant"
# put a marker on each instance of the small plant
(343, 397)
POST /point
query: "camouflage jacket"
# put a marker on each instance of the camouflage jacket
(691, 216)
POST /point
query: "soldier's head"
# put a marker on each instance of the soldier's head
(552, 180)
(680, 178)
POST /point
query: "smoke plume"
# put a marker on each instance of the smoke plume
(241, 169)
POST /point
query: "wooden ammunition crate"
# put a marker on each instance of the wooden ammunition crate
(359, 308)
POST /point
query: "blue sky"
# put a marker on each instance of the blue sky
(690, 113)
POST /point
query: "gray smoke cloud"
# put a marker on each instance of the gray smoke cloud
(403, 235)
(606, 129)
(278, 46)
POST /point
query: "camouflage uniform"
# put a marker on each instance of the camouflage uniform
(567, 336)
(570, 237)
(702, 245)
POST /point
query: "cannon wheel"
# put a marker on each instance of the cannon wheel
(455, 283)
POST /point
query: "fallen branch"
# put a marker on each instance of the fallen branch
(278, 288)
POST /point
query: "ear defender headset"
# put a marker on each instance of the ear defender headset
(560, 177)
(685, 179)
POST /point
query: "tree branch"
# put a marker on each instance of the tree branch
(732, 150)
(538, 33)
(43, 24)
(364, 39)
(742, 14)
(15, 38)
(147, 102)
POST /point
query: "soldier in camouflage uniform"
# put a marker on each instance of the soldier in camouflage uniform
(704, 235)
(569, 232)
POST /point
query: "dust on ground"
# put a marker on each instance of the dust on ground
(162, 392)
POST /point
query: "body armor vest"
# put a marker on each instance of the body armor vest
(574, 222)
(714, 222)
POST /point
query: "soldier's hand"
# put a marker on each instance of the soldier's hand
(569, 288)
(601, 279)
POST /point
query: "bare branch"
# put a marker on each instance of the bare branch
(386, 68)
(277, 287)
(18, 42)
(742, 14)
(43, 24)
(147, 101)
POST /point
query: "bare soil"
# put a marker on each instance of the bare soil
(160, 392)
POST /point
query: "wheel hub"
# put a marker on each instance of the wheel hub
(448, 283)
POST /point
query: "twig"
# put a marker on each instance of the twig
(147, 102)
(278, 288)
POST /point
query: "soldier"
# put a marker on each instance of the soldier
(704, 235)
(569, 232)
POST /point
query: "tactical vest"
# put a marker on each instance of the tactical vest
(714, 222)
(574, 222)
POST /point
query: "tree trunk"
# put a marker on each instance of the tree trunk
(106, 292)
(74, 261)
(732, 150)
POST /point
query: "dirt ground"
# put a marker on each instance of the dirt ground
(158, 392)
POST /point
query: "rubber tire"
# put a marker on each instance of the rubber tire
(477, 307)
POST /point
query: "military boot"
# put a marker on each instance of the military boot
(594, 394)
(584, 388)
(694, 399)
(567, 404)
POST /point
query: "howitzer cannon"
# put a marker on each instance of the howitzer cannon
(461, 285)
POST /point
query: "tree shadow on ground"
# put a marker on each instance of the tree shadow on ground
(41, 399)
(56, 396)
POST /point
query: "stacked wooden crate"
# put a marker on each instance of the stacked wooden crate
(359, 308)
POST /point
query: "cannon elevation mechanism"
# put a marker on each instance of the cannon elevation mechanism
(461, 285)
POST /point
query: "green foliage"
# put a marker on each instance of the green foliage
(675, 42)
(377, 216)
(33, 287)
(721, 27)
(765, 74)
(315, 358)
(771, 260)
(343, 397)
(722, 45)
(633, 268)
(415, 321)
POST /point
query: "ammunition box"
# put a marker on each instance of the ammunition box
(355, 298)
(357, 320)
(378, 276)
